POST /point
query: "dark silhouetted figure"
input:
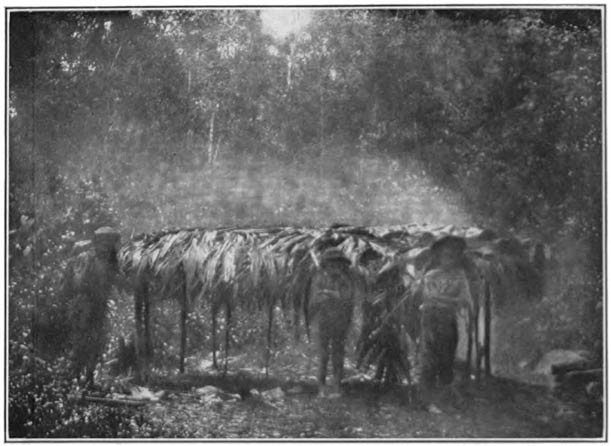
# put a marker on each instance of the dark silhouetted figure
(87, 286)
(330, 307)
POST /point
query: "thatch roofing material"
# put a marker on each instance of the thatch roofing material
(278, 259)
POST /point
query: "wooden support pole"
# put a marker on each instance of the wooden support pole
(469, 345)
(487, 323)
(478, 350)
(296, 321)
(148, 338)
(227, 334)
(183, 324)
(270, 325)
(214, 316)
(306, 313)
(142, 354)
(138, 327)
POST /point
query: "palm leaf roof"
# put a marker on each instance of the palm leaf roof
(270, 257)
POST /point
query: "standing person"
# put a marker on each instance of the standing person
(87, 287)
(331, 304)
(445, 292)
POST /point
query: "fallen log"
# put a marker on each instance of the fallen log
(113, 401)
(582, 376)
(567, 367)
(579, 382)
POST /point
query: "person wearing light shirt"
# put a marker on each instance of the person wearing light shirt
(445, 294)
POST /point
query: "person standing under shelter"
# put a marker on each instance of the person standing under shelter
(445, 294)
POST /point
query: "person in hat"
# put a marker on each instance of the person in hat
(331, 306)
(87, 285)
(445, 293)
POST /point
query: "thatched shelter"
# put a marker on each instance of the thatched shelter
(260, 268)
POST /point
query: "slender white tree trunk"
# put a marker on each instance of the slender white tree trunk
(211, 136)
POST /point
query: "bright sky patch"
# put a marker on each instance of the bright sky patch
(282, 22)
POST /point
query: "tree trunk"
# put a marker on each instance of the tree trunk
(217, 149)
(289, 68)
(288, 101)
(321, 117)
(321, 120)
(190, 140)
(211, 135)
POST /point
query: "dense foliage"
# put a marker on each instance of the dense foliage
(510, 106)
(147, 119)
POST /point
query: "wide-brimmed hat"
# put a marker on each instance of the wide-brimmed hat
(106, 237)
(333, 256)
(456, 244)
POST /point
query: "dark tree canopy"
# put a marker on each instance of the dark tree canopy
(492, 102)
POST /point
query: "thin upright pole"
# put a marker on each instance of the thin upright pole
(183, 324)
(487, 322)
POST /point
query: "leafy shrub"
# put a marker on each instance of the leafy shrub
(40, 248)
(43, 402)
(569, 316)
(572, 317)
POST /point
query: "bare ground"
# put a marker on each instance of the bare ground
(491, 408)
